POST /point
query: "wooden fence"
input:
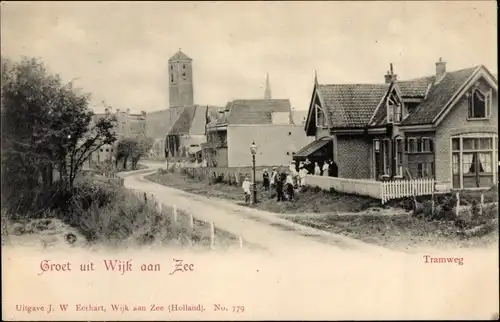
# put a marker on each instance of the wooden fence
(383, 191)
(187, 224)
(406, 188)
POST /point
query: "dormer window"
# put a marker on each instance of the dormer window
(320, 117)
(479, 104)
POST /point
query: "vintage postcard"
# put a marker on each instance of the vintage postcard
(174, 161)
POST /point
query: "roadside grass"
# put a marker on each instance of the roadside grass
(405, 231)
(310, 200)
(393, 225)
(105, 214)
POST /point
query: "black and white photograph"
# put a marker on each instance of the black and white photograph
(249, 160)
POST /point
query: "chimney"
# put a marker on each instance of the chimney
(440, 69)
(390, 76)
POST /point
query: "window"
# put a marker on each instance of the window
(419, 145)
(399, 157)
(412, 145)
(288, 153)
(479, 104)
(427, 145)
(320, 117)
(101, 150)
(425, 170)
(289, 133)
(390, 113)
(171, 78)
(184, 74)
(387, 153)
(397, 117)
(473, 162)
(376, 144)
(107, 150)
(171, 67)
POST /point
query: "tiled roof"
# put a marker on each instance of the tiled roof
(351, 105)
(179, 56)
(415, 88)
(183, 123)
(159, 123)
(438, 96)
(256, 111)
(312, 147)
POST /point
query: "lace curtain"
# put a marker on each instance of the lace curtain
(485, 162)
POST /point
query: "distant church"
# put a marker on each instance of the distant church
(186, 121)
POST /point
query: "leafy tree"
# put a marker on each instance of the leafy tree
(133, 149)
(124, 150)
(45, 123)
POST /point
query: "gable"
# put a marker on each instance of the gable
(481, 79)
(393, 96)
(310, 126)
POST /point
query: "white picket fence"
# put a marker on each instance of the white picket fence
(384, 191)
(406, 188)
(149, 198)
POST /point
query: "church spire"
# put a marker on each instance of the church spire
(267, 94)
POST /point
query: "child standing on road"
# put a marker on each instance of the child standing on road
(246, 189)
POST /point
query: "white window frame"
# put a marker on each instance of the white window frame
(488, 99)
(493, 150)
(324, 125)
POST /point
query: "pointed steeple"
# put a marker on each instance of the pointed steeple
(315, 78)
(267, 94)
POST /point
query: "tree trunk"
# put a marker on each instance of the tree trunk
(125, 163)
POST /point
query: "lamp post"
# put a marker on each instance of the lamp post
(253, 150)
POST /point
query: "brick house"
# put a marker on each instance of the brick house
(443, 126)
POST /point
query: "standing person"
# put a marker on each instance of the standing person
(302, 176)
(293, 171)
(274, 176)
(317, 170)
(307, 165)
(279, 187)
(246, 189)
(265, 180)
(289, 186)
(335, 169)
(326, 167)
(282, 176)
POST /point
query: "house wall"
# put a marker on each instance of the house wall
(321, 132)
(276, 143)
(354, 156)
(456, 123)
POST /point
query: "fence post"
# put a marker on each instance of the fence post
(457, 208)
(481, 205)
(175, 214)
(212, 235)
(432, 203)
(160, 208)
(145, 198)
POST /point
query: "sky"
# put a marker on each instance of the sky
(119, 51)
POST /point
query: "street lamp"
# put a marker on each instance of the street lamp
(253, 150)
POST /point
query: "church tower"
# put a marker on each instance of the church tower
(180, 80)
(267, 93)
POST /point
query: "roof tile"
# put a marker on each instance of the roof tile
(256, 111)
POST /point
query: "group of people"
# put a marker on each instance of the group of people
(285, 183)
